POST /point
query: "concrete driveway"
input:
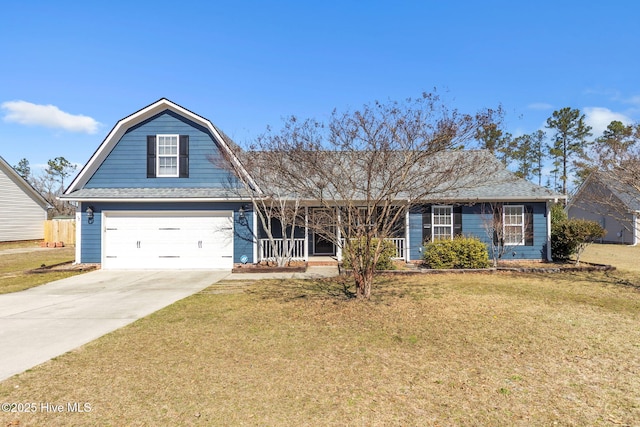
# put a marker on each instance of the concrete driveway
(49, 320)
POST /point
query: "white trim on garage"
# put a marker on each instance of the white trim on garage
(167, 240)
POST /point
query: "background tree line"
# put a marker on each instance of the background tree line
(567, 149)
(50, 183)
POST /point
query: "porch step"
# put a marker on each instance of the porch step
(322, 260)
(321, 263)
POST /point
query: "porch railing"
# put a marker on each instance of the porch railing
(399, 243)
(268, 252)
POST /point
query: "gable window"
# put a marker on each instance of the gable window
(513, 224)
(442, 220)
(167, 156)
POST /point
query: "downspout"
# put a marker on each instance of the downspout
(78, 233)
(635, 229)
(549, 258)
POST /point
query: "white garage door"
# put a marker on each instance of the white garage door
(167, 240)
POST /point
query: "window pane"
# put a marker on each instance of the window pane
(167, 155)
(442, 220)
(168, 166)
(513, 225)
(441, 233)
(513, 235)
(167, 146)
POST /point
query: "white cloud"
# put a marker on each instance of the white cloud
(26, 113)
(540, 106)
(599, 118)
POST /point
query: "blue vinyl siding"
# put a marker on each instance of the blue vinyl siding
(92, 233)
(415, 234)
(126, 165)
(473, 224)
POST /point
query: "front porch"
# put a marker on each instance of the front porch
(320, 234)
(304, 249)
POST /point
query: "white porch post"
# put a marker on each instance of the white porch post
(636, 226)
(306, 233)
(407, 245)
(338, 237)
(256, 244)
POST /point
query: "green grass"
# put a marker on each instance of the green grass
(436, 350)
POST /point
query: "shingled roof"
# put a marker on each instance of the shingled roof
(617, 182)
(479, 177)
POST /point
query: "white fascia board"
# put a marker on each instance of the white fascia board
(124, 124)
(155, 199)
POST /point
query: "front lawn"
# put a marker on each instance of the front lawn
(14, 267)
(450, 349)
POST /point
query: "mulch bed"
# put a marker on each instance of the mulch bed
(264, 268)
(538, 267)
(63, 266)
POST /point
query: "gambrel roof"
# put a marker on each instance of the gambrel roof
(145, 113)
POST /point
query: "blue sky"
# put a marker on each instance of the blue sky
(71, 69)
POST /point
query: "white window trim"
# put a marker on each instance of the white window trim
(176, 156)
(433, 222)
(522, 225)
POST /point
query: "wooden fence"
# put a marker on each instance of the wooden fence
(60, 230)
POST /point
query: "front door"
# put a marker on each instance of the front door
(325, 218)
(322, 246)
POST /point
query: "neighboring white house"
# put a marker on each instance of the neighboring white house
(22, 209)
(611, 200)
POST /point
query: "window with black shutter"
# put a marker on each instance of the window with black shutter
(167, 156)
(528, 225)
(426, 224)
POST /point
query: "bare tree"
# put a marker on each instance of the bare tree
(278, 211)
(367, 168)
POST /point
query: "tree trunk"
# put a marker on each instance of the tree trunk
(363, 279)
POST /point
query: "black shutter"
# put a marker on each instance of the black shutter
(151, 156)
(528, 225)
(426, 224)
(183, 164)
(498, 224)
(457, 221)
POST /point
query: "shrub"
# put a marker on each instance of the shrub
(561, 247)
(461, 252)
(385, 260)
(572, 236)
